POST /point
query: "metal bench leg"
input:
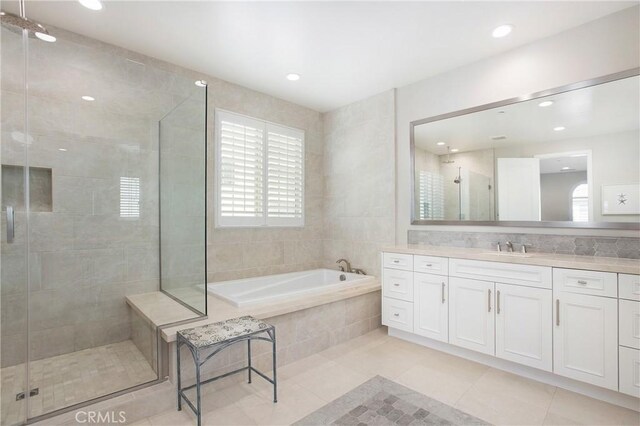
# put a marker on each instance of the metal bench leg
(249, 357)
(275, 379)
(179, 381)
(198, 399)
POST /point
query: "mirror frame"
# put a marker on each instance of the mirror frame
(524, 224)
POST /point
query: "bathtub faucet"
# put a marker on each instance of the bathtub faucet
(346, 268)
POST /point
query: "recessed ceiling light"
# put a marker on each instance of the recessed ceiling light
(91, 4)
(559, 128)
(201, 83)
(545, 104)
(455, 150)
(293, 77)
(45, 37)
(566, 168)
(62, 149)
(440, 143)
(502, 30)
(88, 98)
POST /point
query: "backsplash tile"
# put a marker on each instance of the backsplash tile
(623, 247)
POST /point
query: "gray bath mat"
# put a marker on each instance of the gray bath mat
(383, 402)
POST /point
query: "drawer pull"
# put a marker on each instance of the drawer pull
(582, 282)
(443, 292)
(429, 265)
(396, 261)
(396, 285)
(498, 302)
(558, 312)
(396, 314)
(489, 300)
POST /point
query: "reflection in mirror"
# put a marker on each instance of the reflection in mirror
(572, 157)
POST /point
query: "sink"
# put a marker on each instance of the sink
(509, 254)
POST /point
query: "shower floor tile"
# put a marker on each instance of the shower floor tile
(72, 378)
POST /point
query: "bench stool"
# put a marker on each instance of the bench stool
(217, 337)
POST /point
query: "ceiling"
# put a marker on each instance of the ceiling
(608, 108)
(344, 51)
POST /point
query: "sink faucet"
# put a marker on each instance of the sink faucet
(347, 267)
(509, 245)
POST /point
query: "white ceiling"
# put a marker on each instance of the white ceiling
(345, 51)
(598, 110)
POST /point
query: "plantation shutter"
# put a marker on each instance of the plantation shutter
(431, 196)
(260, 173)
(285, 177)
(241, 170)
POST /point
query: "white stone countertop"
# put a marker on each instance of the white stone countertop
(593, 263)
(220, 310)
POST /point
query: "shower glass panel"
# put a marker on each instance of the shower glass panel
(14, 280)
(80, 172)
(183, 202)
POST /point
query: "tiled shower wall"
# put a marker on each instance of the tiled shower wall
(359, 200)
(624, 247)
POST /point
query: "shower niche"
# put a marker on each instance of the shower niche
(13, 188)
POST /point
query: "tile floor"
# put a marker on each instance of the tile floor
(308, 384)
(71, 378)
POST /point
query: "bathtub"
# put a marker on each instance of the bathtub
(272, 288)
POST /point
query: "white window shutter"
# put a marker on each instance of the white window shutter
(285, 176)
(240, 170)
(260, 173)
(129, 197)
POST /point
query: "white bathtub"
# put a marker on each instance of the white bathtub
(282, 286)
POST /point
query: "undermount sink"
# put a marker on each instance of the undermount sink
(507, 253)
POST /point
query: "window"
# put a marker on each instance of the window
(431, 196)
(129, 197)
(580, 203)
(260, 172)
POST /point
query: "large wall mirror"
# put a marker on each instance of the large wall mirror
(568, 157)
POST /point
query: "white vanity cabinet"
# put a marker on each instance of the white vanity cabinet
(629, 334)
(471, 316)
(585, 338)
(580, 324)
(524, 332)
(431, 306)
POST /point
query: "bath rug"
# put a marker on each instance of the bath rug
(380, 401)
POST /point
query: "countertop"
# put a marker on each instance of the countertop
(604, 264)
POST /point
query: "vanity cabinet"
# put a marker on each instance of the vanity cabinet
(524, 333)
(584, 325)
(585, 338)
(471, 318)
(431, 306)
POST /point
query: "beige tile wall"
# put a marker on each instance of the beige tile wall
(359, 200)
(299, 335)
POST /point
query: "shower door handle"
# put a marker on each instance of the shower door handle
(11, 223)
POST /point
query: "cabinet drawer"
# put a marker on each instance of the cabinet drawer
(629, 324)
(630, 371)
(507, 273)
(585, 282)
(397, 284)
(629, 286)
(397, 314)
(431, 265)
(398, 261)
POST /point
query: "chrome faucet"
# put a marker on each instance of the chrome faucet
(498, 248)
(359, 271)
(509, 245)
(347, 267)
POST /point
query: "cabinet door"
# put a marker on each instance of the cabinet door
(431, 316)
(524, 331)
(471, 314)
(585, 338)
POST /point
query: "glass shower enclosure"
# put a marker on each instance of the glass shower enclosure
(102, 154)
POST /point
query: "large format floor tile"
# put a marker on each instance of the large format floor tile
(310, 383)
